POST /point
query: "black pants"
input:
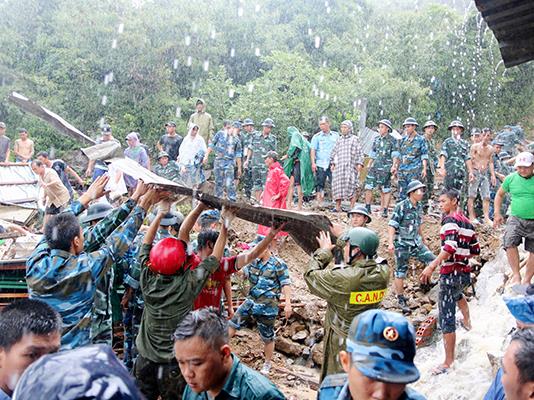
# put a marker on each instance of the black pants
(159, 379)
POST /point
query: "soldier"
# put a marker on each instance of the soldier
(167, 168)
(170, 142)
(259, 145)
(359, 218)
(476, 136)
(203, 335)
(269, 278)
(228, 152)
(458, 244)
(484, 174)
(60, 259)
(384, 159)
(203, 120)
(510, 140)
(429, 130)
(246, 178)
(405, 237)
(358, 287)
(455, 159)
(413, 157)
(170, 281)
(375, 375)
(502, 170)
(5, 142)
(96, 168)
(322, 145)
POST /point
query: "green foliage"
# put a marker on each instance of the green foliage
(291, 61)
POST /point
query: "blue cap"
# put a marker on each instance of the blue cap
(237, 124)
(209, 217)
(521, 307)
(248, 121)
(382, 346)
(89, 372)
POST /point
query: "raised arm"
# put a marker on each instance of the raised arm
(189, 222)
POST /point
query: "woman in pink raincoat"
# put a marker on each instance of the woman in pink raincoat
(275, 190)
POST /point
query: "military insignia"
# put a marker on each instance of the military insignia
(390, 333)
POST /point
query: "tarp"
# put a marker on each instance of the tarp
(303, 227)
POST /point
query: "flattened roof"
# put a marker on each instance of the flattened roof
(512, 23)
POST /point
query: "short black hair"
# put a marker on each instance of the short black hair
(61, 229)
(525, 354)
(451, 194)
(43, 154)
(205, 324)
(27, 316)
(207, 237)
(37, 163)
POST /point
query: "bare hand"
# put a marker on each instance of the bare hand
(426, 275)
(245, 164)
(471, 177)
(288, 310)
(230, 314)
(497, 220)
(205, 160)
(332, 167)
(314, 168)
(423, 174)
(324, 241)
(493, 181)
(228, 215)
(393, 170)
(97, 188)
(391, 248)
(164, 207)
(275, 197)
(140, 190)
(442, 172)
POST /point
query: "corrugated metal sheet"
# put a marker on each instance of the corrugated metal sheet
(512, 23)
(18, 184)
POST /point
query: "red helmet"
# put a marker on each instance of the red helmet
(167, 256)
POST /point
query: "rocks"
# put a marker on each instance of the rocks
(317, 354)
(288, 347)
(300, 336)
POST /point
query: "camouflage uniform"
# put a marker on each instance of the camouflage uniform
(406, 220)
(348, 291)
(68, 282)
(456, 153)
(412, 154)
(432, 165)
(510, 140)
(227, 149)
(260, 145)
(502, 168)
(261, 304)
(247, 172)
(384, 150)
(132, 316)
(94, 237)
(171, 171)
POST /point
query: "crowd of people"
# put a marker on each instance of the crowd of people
(166, 278)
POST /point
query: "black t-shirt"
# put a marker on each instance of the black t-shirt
(60, 166)
(171, 145)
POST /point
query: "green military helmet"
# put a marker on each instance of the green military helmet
(364, 238)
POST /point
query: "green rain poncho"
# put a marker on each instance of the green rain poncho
(299, 148)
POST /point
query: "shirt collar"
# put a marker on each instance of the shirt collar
(230, 386)
(4, 395)
(60, 253)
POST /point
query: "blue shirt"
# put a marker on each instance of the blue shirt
(226, 146)
(406, 219)
(496, 390)
(323, 144)
(242, 383)
(68, 282)
(412, 153)
(4, 396)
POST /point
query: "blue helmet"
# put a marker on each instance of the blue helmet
(248, 121)
(410, 121)
(209, 217)
(90, 372)
(382, 346)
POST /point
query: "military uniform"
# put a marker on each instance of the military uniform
(68, 282)
(384, 150)
(412, 153)
(510, 140)
(260, 145)
(246, 178)
(267, 279)
(227, 149)
(171, 171)
(432, 165)
(94, 237)
(336, 387)
(349, 291)
(456, 153)
(406, 219)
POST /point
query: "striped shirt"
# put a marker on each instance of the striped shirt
(458, 238)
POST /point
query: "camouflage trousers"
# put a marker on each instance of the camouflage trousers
(429, 181)
(405, 251)
(131, 322)
(246, 181)
(259, 175)
(404, 180)
(102, 315)
(224, 178)
(159, 380)
(457, 180)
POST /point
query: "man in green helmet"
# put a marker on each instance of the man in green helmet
(349, 290)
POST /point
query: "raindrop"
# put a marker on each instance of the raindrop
(232, 52)
(231, 93)
(178, 112)
(175, 64)
(187, 40)
(189, 61)
(104, 100)
(310, 32)
(257, 8)
(121, 28)
(257, 52)
(317, 42)
(213, 34)
(240, 12)
(206, 65)
(114, 44)
(250, 87)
